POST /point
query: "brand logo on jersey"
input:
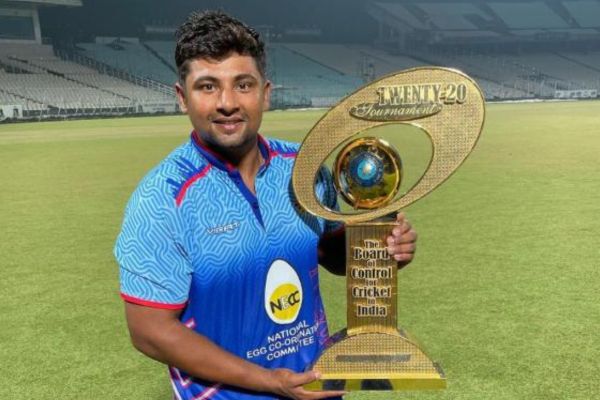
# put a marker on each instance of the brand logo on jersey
(283, 293)
(223, 228)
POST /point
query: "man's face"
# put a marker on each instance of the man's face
(225, 100)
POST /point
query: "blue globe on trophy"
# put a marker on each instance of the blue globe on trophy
(366, 169)
(367, 172)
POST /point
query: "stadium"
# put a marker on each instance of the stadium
(504, 288)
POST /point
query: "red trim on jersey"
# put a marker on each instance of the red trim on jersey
(284, 155)
(153, 304)
(272, 153)
(189, 182)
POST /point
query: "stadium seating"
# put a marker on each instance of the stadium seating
(586, 13)
(590, 59)
(135, 76)
(452, 16)
(35, 78)
(306, 80)
(60, 93)
(384, 63)
(336, 56)
(402, 15)
(498, 79)
(8, 98)
(528, 15)
(354, 60)
(131, 57)
(166, 51)
(562, 72)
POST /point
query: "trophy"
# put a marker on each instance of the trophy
(373, 352)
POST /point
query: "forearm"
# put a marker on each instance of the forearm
(174, 344)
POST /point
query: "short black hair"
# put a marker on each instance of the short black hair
(214, 35)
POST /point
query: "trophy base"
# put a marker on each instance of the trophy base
(376, 361)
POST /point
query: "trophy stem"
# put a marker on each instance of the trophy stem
(371, 276)
(373, 353)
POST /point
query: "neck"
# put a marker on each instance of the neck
(246, 158)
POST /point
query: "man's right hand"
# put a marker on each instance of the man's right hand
(290, 384)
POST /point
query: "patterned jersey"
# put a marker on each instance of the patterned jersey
(243, 268)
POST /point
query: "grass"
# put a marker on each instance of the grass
(503, 291)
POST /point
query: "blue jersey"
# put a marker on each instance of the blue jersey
(242, 268)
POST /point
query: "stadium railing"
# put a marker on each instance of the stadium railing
(109, 70)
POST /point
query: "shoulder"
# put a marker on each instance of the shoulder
(164, 184)
(283, 148)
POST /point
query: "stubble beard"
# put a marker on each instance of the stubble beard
(233, 147)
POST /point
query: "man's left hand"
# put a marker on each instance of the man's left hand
(402, 242)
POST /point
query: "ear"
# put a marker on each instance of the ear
(180, 91)
(267, 95)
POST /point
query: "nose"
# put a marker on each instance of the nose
(227, 104)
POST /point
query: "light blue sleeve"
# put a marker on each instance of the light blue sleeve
(155, 268)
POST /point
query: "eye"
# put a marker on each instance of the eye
(245, 86)
(206, 87)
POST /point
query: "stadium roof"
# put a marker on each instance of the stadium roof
(72, 3)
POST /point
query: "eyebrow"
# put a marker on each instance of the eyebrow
(205, 78)
(245, 76)
(212, 79)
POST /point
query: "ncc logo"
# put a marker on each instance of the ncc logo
(283, 293)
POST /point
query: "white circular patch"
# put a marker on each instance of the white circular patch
(283, 293)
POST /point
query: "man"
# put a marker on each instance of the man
(218, 267)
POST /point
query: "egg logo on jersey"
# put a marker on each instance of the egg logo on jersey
(283, 293)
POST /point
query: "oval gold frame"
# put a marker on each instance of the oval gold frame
(453, 131)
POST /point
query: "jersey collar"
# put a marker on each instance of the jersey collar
(221, 162)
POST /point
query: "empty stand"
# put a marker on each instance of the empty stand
(32, 76)
(298, 76)
(453, 16)
(402, 14)
(586, 13)
(132, 57)
(528, 15)
(165, 50)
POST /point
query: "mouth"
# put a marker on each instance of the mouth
(228, 124)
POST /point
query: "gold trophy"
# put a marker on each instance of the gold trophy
(373, 353)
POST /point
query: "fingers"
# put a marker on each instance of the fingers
(303, 394)
(397, 237)
(402, 252)
(299, 379)
(403, 233)
(308, 395)
(400, 217)
(292, 386)
(407, 248)
(402, 242)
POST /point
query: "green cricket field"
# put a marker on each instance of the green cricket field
(504, 290)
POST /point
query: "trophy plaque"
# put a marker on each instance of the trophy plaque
(373, 352)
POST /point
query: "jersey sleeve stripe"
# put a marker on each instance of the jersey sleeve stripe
(208, 392)
(153, 304)
(284, 155)
(189, 182)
